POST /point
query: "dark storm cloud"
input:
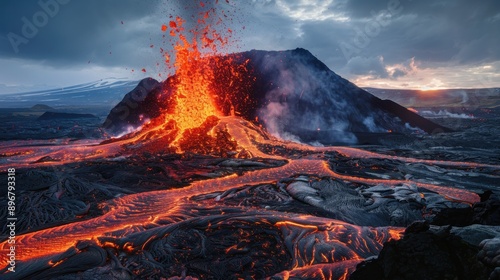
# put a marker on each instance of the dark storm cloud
(74, 31)
(459, 31)
(451, 32)
(350, 36)
(371, 66)
(108, 33)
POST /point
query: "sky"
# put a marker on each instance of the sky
(426, 44)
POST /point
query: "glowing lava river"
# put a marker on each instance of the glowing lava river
(286, 213)
(200, 190)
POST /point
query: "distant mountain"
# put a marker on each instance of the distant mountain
(293, 94)
(41, 107)
(105, 92)
(59, 115)
(467, 98)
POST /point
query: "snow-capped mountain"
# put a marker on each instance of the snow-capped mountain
(104, 92)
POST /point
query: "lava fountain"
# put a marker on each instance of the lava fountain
(193, 98)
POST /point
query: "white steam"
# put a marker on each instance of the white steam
(307, 102)
(299, 105)
(445, 114)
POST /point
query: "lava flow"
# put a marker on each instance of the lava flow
(143, 214)
(256, 206)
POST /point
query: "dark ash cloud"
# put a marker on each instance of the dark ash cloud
(76, 31)
(374, 67)
(350, 36)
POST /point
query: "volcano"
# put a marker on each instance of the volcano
(208, 177)
(237, 202)
(291, 93)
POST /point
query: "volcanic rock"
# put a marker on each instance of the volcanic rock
(485, 212)
(475, 234)
(292, 93)
(298, 97)
(137, 106)
(424, 255)
(490, 254)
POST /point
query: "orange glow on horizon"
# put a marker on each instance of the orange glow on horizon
(412, 110)
(429, 89)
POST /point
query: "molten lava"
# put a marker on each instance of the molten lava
(193, 96)
(193, 99)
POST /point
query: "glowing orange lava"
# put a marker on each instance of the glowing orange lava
(193, 101)
(193, 97)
